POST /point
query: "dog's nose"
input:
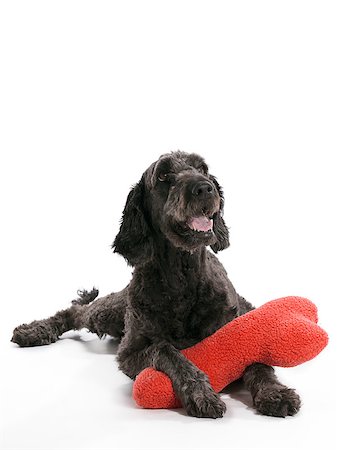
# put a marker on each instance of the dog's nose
(202, 189)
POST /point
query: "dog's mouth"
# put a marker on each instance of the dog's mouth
(198, 226)
(201, 224)
(196, 229)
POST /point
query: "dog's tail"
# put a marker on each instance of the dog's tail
(85, 297)
(47, 331)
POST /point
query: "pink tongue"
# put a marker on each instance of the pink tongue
(201, 223)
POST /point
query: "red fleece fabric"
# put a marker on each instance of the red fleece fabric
(282, 332)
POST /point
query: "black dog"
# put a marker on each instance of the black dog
(179, 293)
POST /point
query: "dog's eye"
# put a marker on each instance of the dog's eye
(203, 169)
(163, 176)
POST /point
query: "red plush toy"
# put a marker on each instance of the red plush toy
(282, 332)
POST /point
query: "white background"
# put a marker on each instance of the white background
(91, 94)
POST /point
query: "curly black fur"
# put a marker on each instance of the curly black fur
(179, 293)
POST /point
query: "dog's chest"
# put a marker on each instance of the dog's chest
(182, 307)
(188, 315)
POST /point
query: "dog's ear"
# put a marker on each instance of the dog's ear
(134, 240)
(219, 227)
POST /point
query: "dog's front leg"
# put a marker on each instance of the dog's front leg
(270, 397)
(189, 383)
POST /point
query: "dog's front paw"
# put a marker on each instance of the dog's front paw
(277, 401)
(204, 403)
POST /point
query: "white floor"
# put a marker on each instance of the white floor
(70, 395)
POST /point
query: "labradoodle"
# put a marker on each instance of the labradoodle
(179, 293)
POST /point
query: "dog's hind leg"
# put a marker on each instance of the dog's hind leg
(103, 316)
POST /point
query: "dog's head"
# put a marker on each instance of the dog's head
(176, 198)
